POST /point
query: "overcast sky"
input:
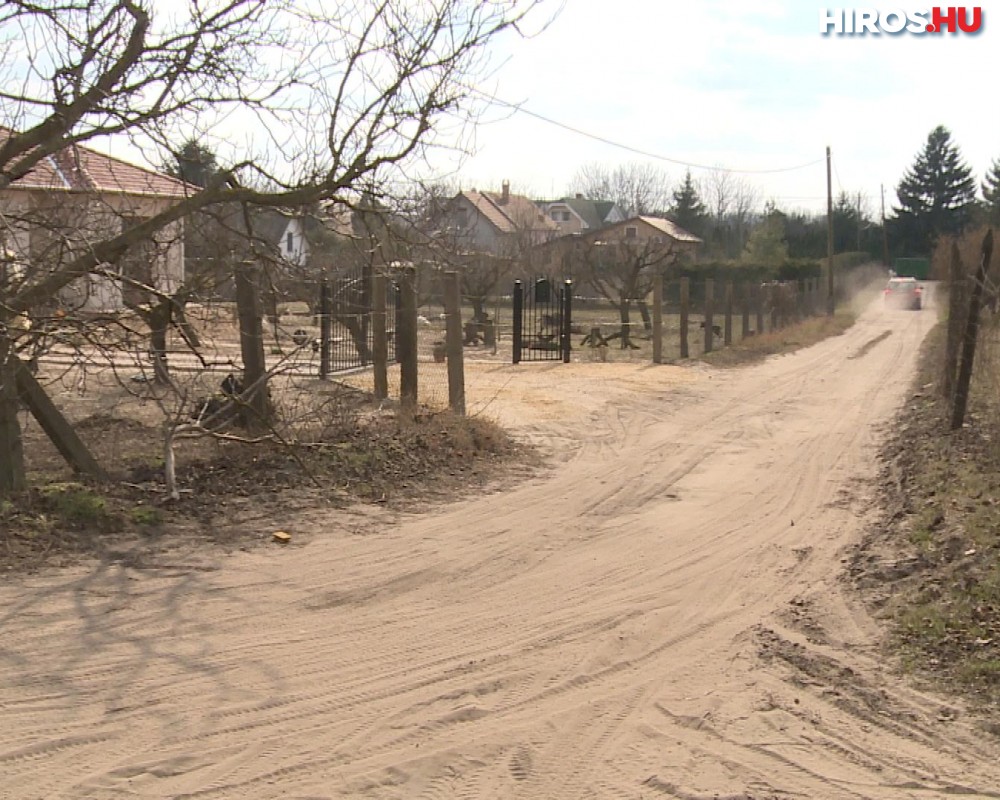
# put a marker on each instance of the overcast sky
(744, 85)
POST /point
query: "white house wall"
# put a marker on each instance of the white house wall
(298, 253)
(51, 228)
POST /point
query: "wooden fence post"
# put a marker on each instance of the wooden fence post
(971, 334)
(956, 295)
(453, 341)
(56, 426)
(728, 338)
(685, 313)
(12, 472)
(252, 345)
(745, 309)
(407, 340)
(397, 319)
(380, 341)
(658, 319)
(709, 313)
(758, 297)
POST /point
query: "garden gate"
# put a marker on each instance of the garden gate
(345, 312)
(541, 320)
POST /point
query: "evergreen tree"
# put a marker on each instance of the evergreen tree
(766, 245)
(991, 192)
(688, 211)
(846, 224)
(194, 164)
(937, 195)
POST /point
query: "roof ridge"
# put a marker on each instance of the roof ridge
(499, 208)
(156, 173)
(69, 149)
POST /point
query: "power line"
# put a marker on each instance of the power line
(840, 185)
(518, 107)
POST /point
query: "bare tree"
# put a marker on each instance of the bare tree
(312, 104)
(732, 202)
(622, 272)
(458, 237)
(636, 187)
(718, 190)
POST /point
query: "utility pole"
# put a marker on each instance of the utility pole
(829, 236)
(885, 233)
(859, 221)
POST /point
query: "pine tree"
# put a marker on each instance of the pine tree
(688, 211)
(991, 192)
(194, 164)
(937, 195)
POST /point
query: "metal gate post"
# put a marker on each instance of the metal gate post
(325, 329)
(567, 312)
(516, 319)
(380, 343)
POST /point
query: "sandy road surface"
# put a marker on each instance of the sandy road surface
(645, 620)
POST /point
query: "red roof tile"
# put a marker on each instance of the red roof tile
(518, 213)
(672, 229)
(79, 169)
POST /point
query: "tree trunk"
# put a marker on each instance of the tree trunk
(478, 309)
(647, 320)
(623, 313)
(159, 323)
(358, 336)
(255, 393)
(12, 477)
(170, 462)
(190, 333)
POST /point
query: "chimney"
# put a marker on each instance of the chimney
(504, 192)
(579, 196)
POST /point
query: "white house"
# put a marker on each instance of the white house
(78, 197)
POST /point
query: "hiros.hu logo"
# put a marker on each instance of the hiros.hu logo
(861, 21)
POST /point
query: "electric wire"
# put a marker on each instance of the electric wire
(520, 108)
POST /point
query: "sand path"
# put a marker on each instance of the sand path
(661, 614)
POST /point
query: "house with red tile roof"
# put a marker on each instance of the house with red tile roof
(497, 223)
(79, 196)
(637, 234)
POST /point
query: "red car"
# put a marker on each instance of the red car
(903, 293)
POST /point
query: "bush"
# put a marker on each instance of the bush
(75, 504)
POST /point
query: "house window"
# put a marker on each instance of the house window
(290, 243)
(565, 216)
(631, 232)
(555, 216)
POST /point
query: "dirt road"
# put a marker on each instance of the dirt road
(659, 615)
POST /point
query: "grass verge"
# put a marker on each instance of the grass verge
(787, 340)
(932, 568)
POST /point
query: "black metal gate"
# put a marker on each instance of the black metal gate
(542, 320)
(345, 312)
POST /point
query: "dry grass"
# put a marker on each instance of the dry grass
(336, 448)
(934, 567)
(786, 340)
